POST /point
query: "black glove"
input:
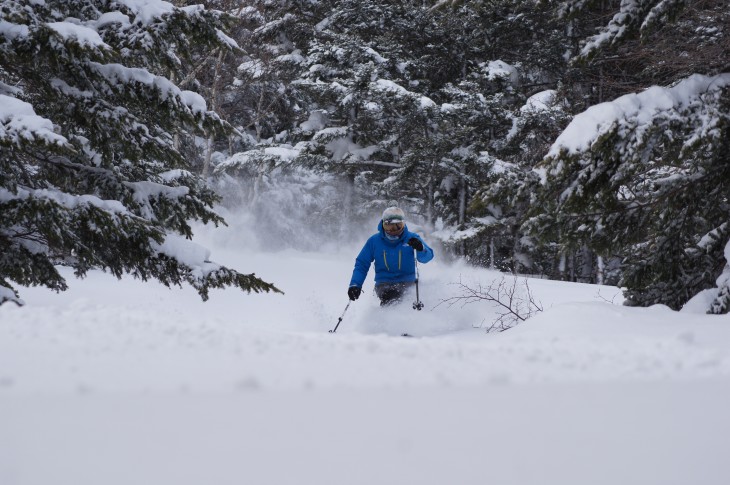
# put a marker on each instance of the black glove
(354, 292)
(415, 244)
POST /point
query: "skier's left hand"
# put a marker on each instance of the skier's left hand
(415, 244)
(353, 292)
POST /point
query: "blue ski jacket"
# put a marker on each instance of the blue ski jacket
(394, 260)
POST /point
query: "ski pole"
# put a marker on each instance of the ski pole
(341, 317)
(417, 305)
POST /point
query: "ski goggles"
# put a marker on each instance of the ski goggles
(393, 224)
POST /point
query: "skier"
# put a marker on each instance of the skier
(392, 249)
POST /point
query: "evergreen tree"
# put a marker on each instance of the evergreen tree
(644, 43)
(354, 109)
(512, 73)
(651, 183)
(89, 173)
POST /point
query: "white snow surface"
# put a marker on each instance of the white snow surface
(125, 382)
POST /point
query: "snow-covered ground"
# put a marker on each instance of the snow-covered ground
(130, 383)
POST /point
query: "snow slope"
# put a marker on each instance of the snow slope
(123, 382)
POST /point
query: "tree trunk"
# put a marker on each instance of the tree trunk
(462, 200)
(599, 271)
(586, 265)
(348, 206)
(214, 107)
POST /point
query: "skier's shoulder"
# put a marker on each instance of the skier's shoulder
(373, 240)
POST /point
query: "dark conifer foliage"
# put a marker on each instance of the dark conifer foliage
(90, 176)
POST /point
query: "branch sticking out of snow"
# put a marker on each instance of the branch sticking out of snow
(514, 304)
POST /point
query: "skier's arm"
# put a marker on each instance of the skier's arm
(362, 265)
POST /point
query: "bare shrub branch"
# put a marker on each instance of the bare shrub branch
(515, 302)
(612, 301)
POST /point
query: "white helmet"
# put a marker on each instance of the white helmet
(394, 222)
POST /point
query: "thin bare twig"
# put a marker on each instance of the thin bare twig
(515, 303)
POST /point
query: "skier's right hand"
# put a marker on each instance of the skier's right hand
(354, 292)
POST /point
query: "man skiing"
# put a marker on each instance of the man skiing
(392, 250)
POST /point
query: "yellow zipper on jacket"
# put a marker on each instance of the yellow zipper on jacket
(400, 259)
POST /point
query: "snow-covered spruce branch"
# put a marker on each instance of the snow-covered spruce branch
(515, 302)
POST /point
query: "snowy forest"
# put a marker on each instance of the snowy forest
(574, 140)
